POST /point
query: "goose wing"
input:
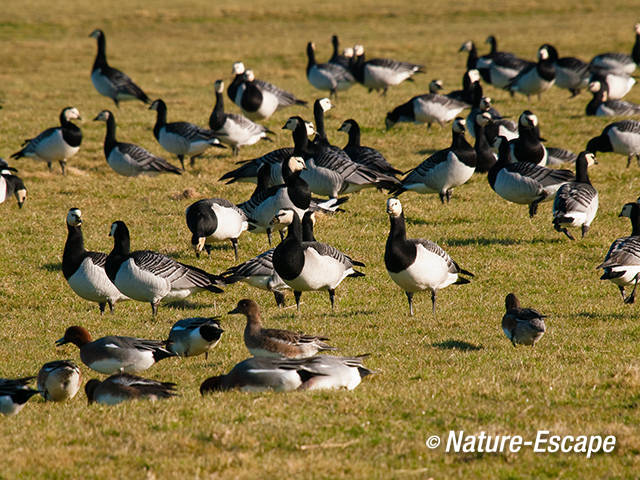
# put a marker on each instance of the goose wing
(623, 251)
(145, 160)
(178, 274)
(190, 131)
(122, 82)
(261, 265)
(420, 172)
(327, 250)
(437, 250)
(543, 175)
(249, 168)
(98, 258)
(573, 197)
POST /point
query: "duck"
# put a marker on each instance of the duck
(528, 147)
(59, 380)
(381, 73)
(11, 184)
(601, 106)
(109, 81)
(429, 108)
(181, 138)
(14, 394)
(122, 387)
(485, 157)
(576, 203)
(114, 354)
(344, 59)
(309, 266)
(618, 84)
(269, 342)
(367, 156)
(327, 76)
(216, 220)
(619, 137)
(84, 270)
(620, 62)
(621, 265)
(233, 129)
(524, 326)
(55, 144)
(536, 78)
(148, 276)
(572, 74)
(194, 336)
(128, 159)
(445, 169)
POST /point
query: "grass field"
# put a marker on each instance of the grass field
(458, 372)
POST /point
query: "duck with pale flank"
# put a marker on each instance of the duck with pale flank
(59, 380)
(122, 387)
(194, 336)
(14, 394)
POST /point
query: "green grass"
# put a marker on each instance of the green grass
(458, 372)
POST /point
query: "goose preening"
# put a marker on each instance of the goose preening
(12, 185)
(576, 203)
(416, 264)
(194, 336)
(216, 220)
(14, 394)
(429, 108)
(602, 106)
(181, 138)
(618, 137)
(528, 147)
(367, 156)
(445, 169)
(59, 380)
(128, 159)
(539, 77)
(55, 144)
(309, 266)
(622, 263)
(270, 342)
(109, 81)
(327, 76)
(85, 271)
(524, 326)
(620, 62)
(572, 74)
(381, 73)
(148, 276)
(122, 387)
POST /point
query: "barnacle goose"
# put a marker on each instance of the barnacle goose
(622, 263)
(479, 103)
(12, 185)
(122, 387)
(194, 336)
(618, 84)
(148, 276)
(619, 137)
(572, 74)
(538, 77)
(524, 326)
(217, 220)
(181, 138)
(497, 126)
(59, 380)
(344, 59)
(370, 157)
(128, 159)
(428, 108)
(620, 62)
(14, 394)
(416, 264)
(601, 106)
(576, 203)
(83, 270)
(528, 147)
(55, 144)
(327, 76)
(473, 61)
(499, 68)
(109, 81)
(485, 157)
(443, 170)
(559, 156)
(381, 73)
(309, 266)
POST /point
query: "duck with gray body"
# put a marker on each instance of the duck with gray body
(524, 326)
(123, 387)
(194, 336)
(59, 380)
(14, 394)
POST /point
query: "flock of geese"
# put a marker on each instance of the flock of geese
(294, 183)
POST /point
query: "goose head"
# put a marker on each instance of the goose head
(394, 207)
(74, 217)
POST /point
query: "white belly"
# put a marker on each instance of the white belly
(321, 79)
(627, 143)
(3, 189)
(269, 105)
(230, 223)
(8, 407)
(628, 277)
(91, 283)
(140, 284)
(173, 143)
(516, 188)
(53, 148)
(433, 112)
(319, 273)
(378, 77)
(531, 83)
(428, 272)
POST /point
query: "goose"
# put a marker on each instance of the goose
(5, 169)
(217, 220)
(122, 387)
(370, 157)
(327, 76)
(528, 147)
(344, 59)
(59, 380)
(445, 169)
(485, 157)
(559, 156)
(499, 68)
(601, 106)
(55, 144)
(524, 326)
(128, 159)
(525, 182)
(14, 394)
(618, 137)
(497, 126)
(148, 276)
(109, 81)
(309, 266)
(572, 74)
(269, 342)
(429, 108)
(233, 129)
(622, 263)
(12, 185)
(85, 271)
(416, 264)
(536, 78)
(381, 73)
(620, 62)
(113, 354)
(479, 103)
(194, 336)
(181, 138)
(474, 62)
(576, 203)
(463, 95)
(617, 84)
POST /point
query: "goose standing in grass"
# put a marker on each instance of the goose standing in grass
(55, 144)
(500, 68)
(528, 147)
(445, 169)
(536, 78)
(217, 220)
(344, 59)
(602, 106)
(620, 62)
(572, 74)
(381, 73)
(59, 380)
(416, 264)
(85, 271)
(428, 108)
(148, 276)
(181, 138)
(367, 156)
(232, 129)
(109, 81)
(122, 387)
(576, 203)
(309, 266)
(12, 185)
(618, 84)
(485, 157)
(327, 76)
(194, 336)
(524, 326)
(497, 126)
(464, 95)
(269, 342)
(618, 137)
(14, 394)
(622, 263)
(127, 159)
(559, 156)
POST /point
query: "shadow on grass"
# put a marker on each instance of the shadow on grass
(290, 312)
(601, 316)
(484, 241)
(52, 267)
(427, 151)
(422, 221)
(186, 304)
(457, 345)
